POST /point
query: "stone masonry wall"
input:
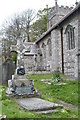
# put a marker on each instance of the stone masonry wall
(55, 52)
(70, 56)
(0, 70)
(0, 62)
(46, 60)
(55, 15)
(29, 63)
(79, 45)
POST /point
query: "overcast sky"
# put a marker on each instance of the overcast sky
(9, 7)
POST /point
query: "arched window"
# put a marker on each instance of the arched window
(44, 50)
(49, 47)
(70, 36)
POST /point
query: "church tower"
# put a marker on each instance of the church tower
(56, 14)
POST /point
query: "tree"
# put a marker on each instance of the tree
(26, 19)
(18, 25)
(40, 25)
(6, 49)
(12, 29)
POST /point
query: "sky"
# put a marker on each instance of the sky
(10, 7)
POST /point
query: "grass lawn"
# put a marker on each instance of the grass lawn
(67, 93)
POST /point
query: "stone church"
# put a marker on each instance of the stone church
(59, 47)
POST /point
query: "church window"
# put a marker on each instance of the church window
(49, 47)
(70, 37)
(44, 50)
(51, 23)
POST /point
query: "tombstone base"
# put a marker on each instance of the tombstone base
(21, 86)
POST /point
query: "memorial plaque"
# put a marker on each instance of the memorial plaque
(21, 71)
(25, 90)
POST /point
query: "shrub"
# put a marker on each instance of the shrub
(3, 95)
(14, 57)
(56, 76)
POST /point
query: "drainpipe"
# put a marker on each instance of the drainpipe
(62, 54)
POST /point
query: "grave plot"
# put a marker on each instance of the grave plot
(38, 105)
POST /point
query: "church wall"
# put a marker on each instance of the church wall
(45, 58)
(29, 63)
(59, 54)
(0, 72)
(79, 31)
(70, 56)
(0, 62)
(55, 15)
(55, 49)
(79, 45)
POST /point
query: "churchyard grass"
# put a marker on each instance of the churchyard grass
(67, 93)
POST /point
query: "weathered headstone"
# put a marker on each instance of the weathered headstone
(20, 84)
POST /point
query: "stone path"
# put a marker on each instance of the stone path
(67, 106)
(37, 104)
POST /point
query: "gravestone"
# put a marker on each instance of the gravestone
(20, 84)
(8, 68)
(37, 104)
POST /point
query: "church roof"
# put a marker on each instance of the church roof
(61, 21)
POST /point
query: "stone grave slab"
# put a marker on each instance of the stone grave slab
(37, 104)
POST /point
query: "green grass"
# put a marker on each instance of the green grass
(12, 110)
(67, 93)
(48, 92)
